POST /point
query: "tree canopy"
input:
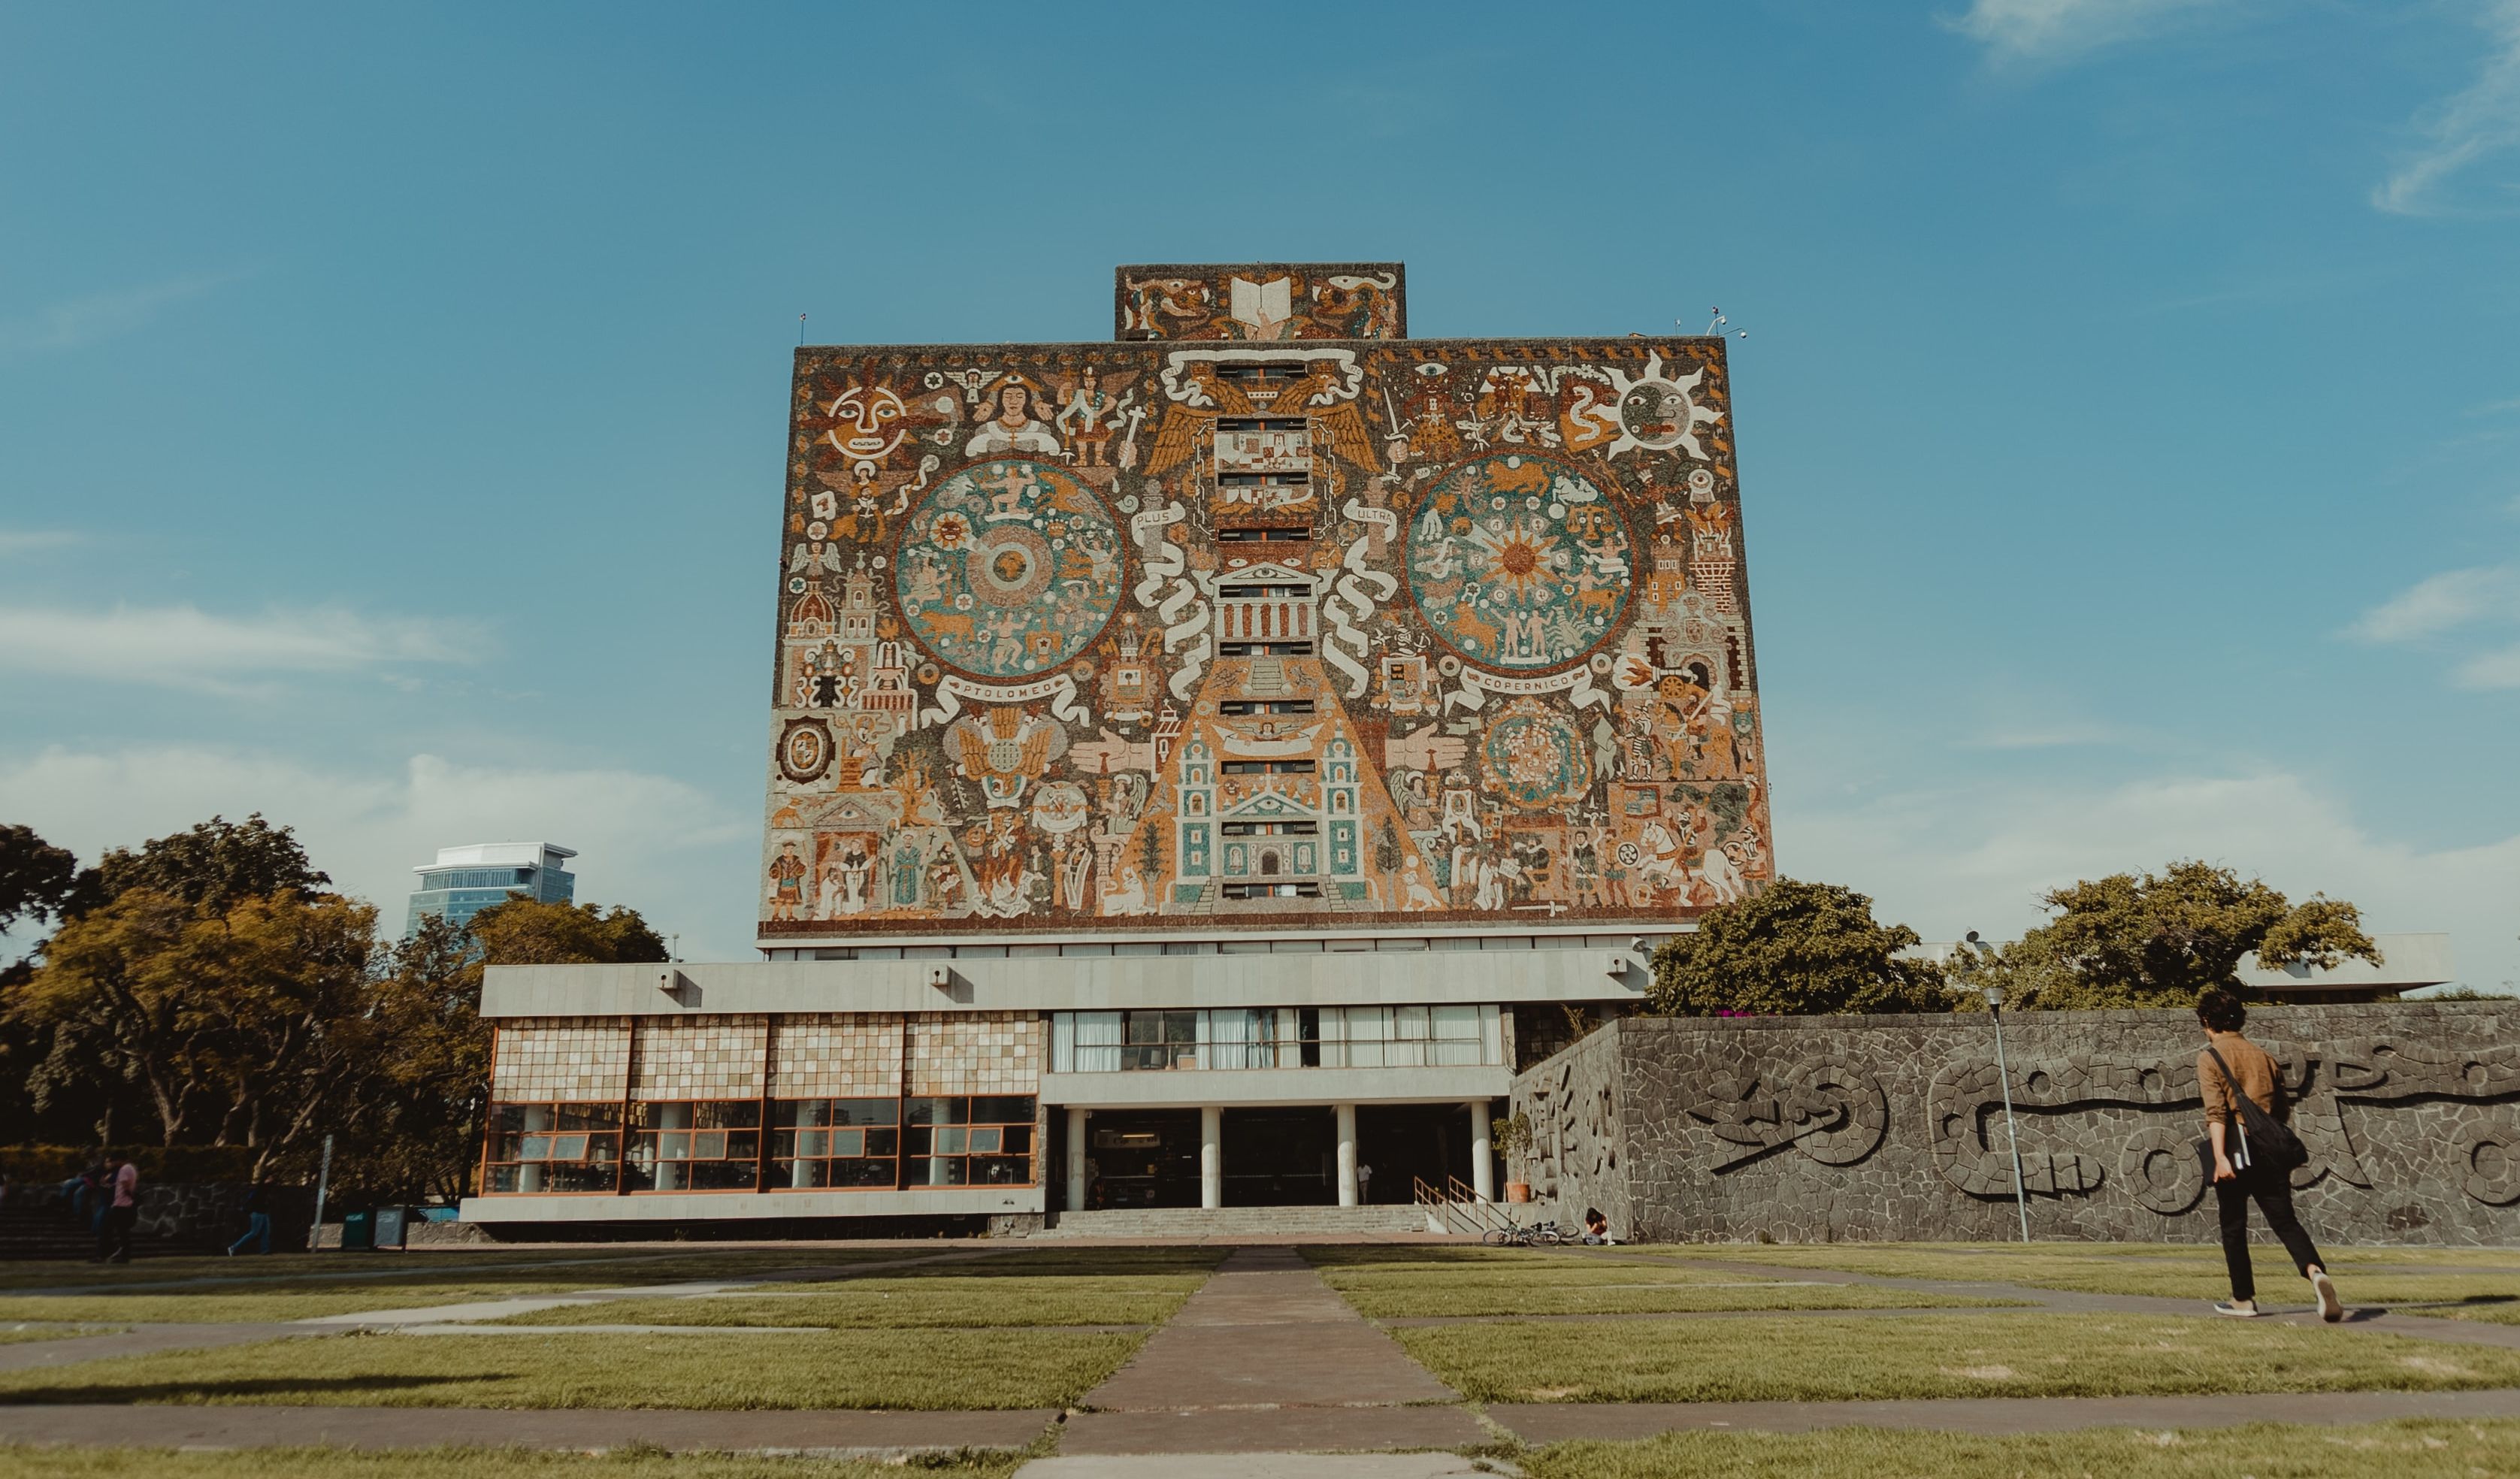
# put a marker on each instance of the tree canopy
(214, 864)
(208, 989)
(2163, 939)
(35, 877)
(1795, 948)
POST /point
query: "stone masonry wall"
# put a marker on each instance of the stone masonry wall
(1819, 1129)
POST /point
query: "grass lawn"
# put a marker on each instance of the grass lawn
(1395, 1282)
(1813, 1358)
(2409, 1449)
(2166, 1270)
(16, 1463)
(919, 1369)
(20, 1335)
(310, 1288)
(906, 1303)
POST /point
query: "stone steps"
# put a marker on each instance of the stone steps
(1237, 1222)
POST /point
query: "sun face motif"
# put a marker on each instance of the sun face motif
(1659, 411)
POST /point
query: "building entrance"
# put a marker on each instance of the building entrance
(1406, 1143)
(1142, 1158)
(1280, 1157)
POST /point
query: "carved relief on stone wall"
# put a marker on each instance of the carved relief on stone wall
(2157, 1159)
(1833, 1112)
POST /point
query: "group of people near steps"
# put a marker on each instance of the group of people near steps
(107, 1196)
(2250, 1152)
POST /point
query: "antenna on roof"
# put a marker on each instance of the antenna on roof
(801, 331)
(1714, 326)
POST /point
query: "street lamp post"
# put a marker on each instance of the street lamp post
(1993, 995)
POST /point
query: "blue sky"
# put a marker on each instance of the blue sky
(391, 398)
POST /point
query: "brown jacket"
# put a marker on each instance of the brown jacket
(2250, 1064)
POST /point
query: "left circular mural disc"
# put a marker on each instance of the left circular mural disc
(1009, 569)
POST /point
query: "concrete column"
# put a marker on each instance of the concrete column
(1211, 1157)
(1346, 1155)
(1482, 1153)
(1075, 1160)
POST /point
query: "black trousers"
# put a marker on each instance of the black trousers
(113, 1234)
(2274, 1192)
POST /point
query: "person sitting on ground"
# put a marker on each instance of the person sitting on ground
(2232, 1061)
(1596, 1228)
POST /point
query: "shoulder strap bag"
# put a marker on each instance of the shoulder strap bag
(2268, 1142)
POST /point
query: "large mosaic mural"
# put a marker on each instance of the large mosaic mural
(1263, 617)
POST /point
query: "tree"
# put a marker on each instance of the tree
(35, 877)
(524, 931)
(2163, 939)
(418, 1130)
(1795, 948)
(215, 864)
(243, 1024)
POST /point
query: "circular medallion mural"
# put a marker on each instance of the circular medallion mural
(1534, 756)
(1518, 563)
(805, 750)
(1009, 569)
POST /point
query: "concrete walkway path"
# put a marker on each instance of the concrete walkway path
(1265, 1357)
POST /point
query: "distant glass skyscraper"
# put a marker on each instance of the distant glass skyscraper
(465, 881)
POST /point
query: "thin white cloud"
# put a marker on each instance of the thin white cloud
(679, 855)
(1978, 857)
(2015, 31)
(76, 322)
(2490, 670)
(2475, 128)
(2444, 603)
(185, 646)
(15, 542)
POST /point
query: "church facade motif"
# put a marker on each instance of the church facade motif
(1263, 617)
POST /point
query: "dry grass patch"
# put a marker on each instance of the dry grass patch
(1817, 1358)
(2409, 1449)
(1398, 1282)
(915, 1370)
(17, 1463)
(905, 1303)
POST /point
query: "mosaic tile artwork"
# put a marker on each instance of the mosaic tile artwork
(977, 1052)
(836, 1056)
(713, 1058)
(1264, 617)
(577, 1059)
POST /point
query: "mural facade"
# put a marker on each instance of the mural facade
(1264, 617)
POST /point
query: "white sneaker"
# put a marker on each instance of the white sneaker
(2238, 1309)
(2330, 1308)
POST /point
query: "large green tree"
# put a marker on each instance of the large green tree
(35, 877)
(1795, 948)
(239, 1024)
(2163, 939)
(214, 864)
(419, 1133)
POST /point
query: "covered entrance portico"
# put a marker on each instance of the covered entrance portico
(1267, 1156)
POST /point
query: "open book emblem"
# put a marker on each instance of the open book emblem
(1263, 307)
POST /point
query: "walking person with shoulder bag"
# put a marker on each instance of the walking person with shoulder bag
(2252, 1154)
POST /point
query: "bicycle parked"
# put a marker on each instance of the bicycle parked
(1514, 1235)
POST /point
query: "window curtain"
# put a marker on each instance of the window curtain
(1097, 1042)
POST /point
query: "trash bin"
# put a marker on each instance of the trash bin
(358, 1230)
(391, 1225)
